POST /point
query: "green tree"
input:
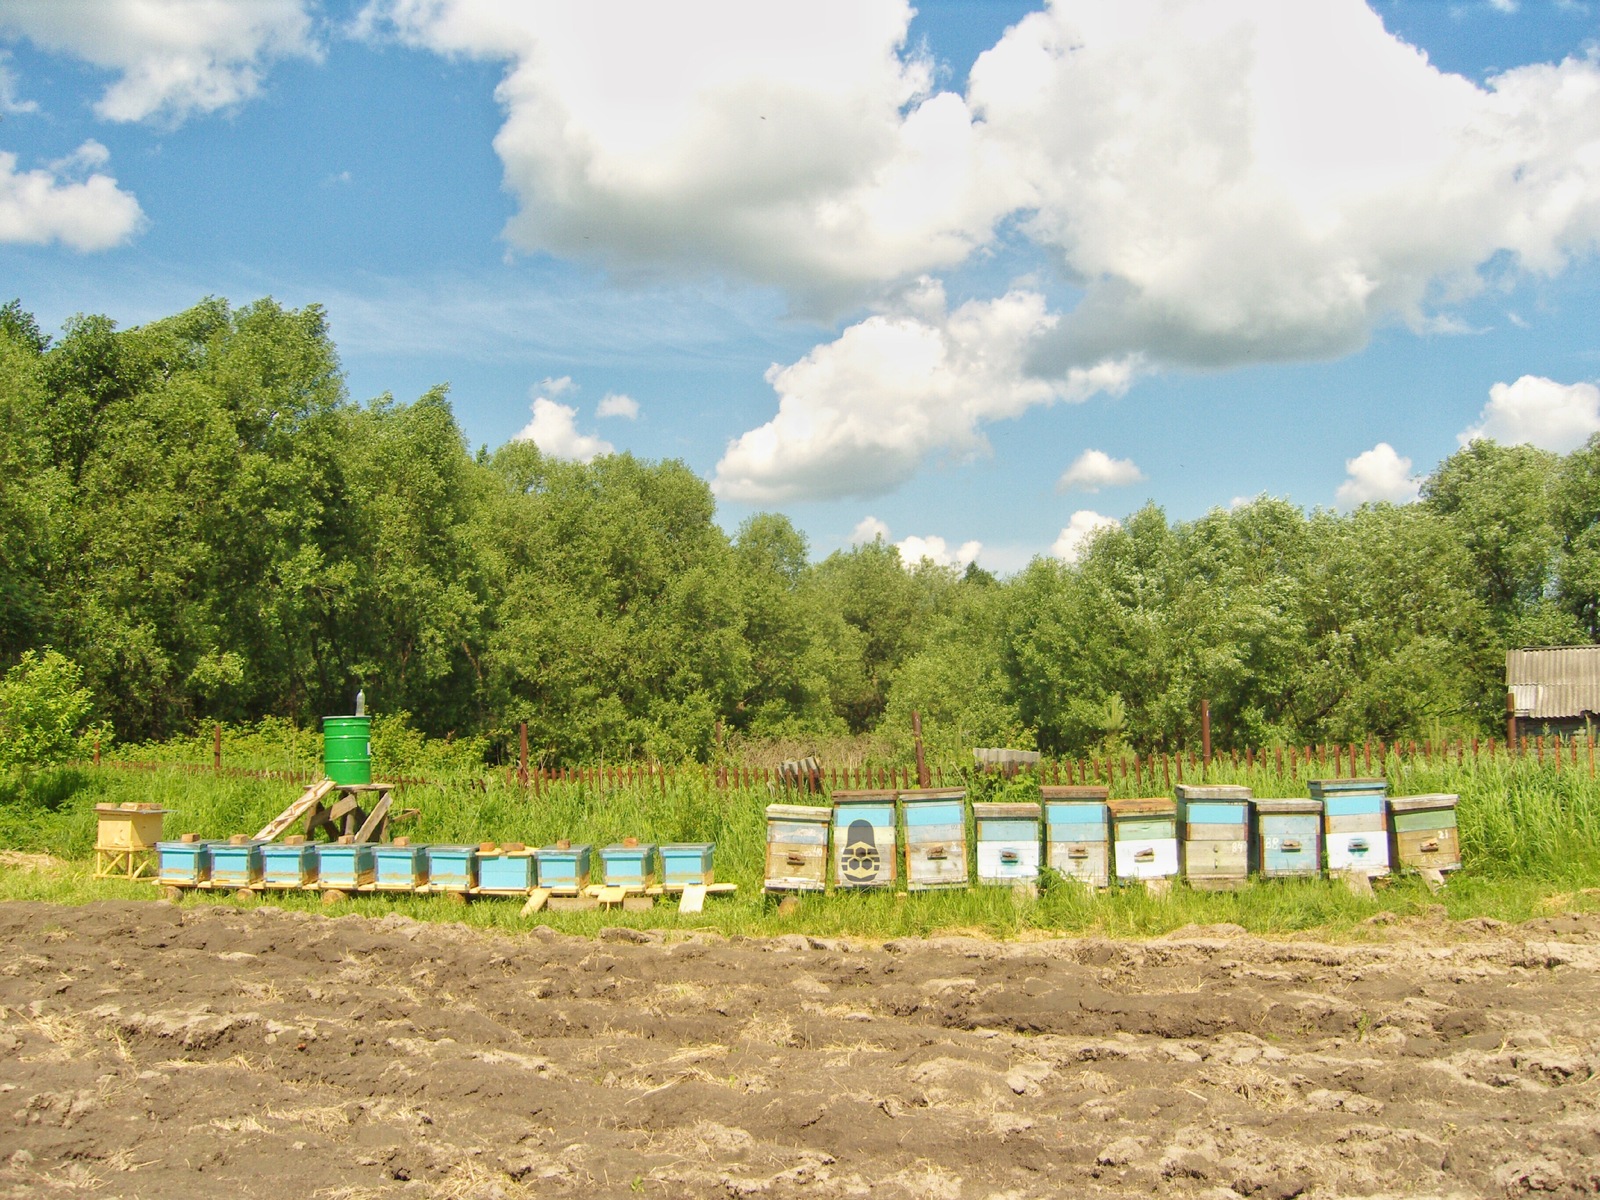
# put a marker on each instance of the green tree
(44, 711)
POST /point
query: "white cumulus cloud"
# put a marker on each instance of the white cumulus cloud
(10, 103)
(1095, 469)
(1378, 474)
(172, 57)
(554, 430)
(1080, 530)
(792, 143)
(868, 529)
(1541, 412)
(1244, 180)
(937, 551)
(859, 415)
(50, 205)
(617, 405)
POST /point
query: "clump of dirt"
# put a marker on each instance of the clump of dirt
(150, 1050)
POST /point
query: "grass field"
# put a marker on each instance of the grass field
(1530, 835)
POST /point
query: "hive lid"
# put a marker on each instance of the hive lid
(999, 812)
(1085, 792)
(1360, 786)
(570, 848)
(696, 847)
(1289, 806)
(871, 795)
(797, 812)
(1422, 803)
(131, 810)
(1144, 806)
(624, 848)
(443, 848)
(912, 797)
(1212, 791)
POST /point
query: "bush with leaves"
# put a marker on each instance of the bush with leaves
(44, 711)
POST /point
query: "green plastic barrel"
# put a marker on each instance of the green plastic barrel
(347, 749)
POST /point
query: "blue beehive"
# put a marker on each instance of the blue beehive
(506, 870)
(1078, 833)
(629, 863)
(345, 865)
(398, 866)
(863, 839)
(183, 864)
(452, 868)
(936, 838)
(235, 863)
(686, 863)
(1355, 822)
(1289, 833)
(564, 867)
(289, 865)
(1215, 824)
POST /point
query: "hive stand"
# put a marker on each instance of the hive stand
(346, 816)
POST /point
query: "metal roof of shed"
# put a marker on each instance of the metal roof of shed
(1554, 681)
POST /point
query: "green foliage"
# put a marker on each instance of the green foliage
(44, 711)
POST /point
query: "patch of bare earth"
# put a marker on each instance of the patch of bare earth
(152, 1051)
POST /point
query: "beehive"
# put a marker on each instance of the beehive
(1144, 834)
(565, 868)
(797, 848)
(863, 839)
(235, 863)
(452, 868)
(345, 865)
(629, 863)
(684, 864)
(126, 836)
(1354, 823)
(398, 866)
(1008, 843)
(185, 863)
(1215, 820)
(1426, 836)
(506, 870)
(936, 838)
(1077, 833)
(291, 864)
(1289, 838)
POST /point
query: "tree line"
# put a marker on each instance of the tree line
(197, 514)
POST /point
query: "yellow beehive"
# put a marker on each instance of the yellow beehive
(125, 837)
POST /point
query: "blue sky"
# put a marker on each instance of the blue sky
(1010, 270)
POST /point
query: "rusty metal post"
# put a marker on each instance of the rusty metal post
(923, 779)
(216, 747)
(522, 753)
(1205, 731)
(1511, 718)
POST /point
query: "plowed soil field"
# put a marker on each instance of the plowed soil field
(208, 1051)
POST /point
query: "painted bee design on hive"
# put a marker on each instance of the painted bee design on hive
(859, 861)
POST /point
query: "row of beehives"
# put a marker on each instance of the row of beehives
(1214, 837)
(508, 869)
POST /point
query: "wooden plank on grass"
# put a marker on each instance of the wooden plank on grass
(537, 899)
(694, 899)
(309, 799)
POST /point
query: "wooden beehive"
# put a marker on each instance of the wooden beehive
(290, 864)
(685, 864)
(1426, 836)
(1289, 838)
(236, 863)
(1144, 833)
(565, 868)
(936, 838)
(1078, 833)
(629, 863)
(1008, 843)
(797, 848)
(126, 838)
(398, 866)
(863, 839)
(506, 870)
(1355, 824)
(1215, 820)
(185, 863)
(452, 868)
(345, 865)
